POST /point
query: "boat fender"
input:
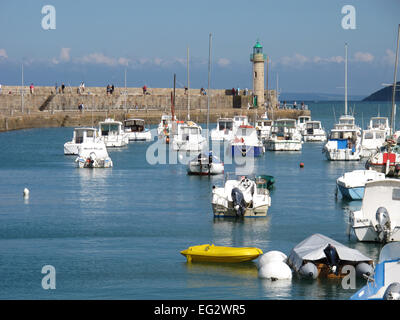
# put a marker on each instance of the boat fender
(309, 270)
(392, 292)
(275, 270)
(271, 256)
(363, 268)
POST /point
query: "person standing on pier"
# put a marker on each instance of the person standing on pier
(31, 88)
(144, 89)
(112, 89)
(62, 88)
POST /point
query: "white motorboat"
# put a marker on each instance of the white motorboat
(81, 135)
(374, 137)
(352, 184)
(246, 142)
(385, 283)
(344, 143)
(263, 128)
(93, 155)
(112, 134)
(136, 130)
(223, 131)
(379, 217)
(205, 164)
(284, 136)
(241, 197)
(188, 137)
(301, 122)
(313, 131)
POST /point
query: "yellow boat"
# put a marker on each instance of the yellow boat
(212, 253)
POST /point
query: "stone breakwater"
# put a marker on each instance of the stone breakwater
(45, 108)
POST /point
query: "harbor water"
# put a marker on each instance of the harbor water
(117, 233)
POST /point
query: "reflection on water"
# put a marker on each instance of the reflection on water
(279, 289)
(94, 185)
(241, 232)
(242, 270)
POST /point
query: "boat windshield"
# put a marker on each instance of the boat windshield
(378, 123)
(225, 125)
(390, 251)
(108, 127)
(342, 135)
(312, 125)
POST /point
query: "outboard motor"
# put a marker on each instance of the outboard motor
(383, 226)
(332, 257)
(238, 201)
(309, 270)
(392, 292)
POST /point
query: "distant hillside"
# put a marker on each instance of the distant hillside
(384, 94)
(289, 96)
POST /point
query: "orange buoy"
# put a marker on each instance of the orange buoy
(301, 165)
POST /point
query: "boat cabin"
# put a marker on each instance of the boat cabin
(84, 135)
(110, 127)
(284, 128)
(240, 120)
(346, 139)
(225, 124)
(381, 123)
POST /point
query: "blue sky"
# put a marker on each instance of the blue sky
(94, 41)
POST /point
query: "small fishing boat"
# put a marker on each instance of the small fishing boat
(379, 217)
(188, 137)
(387, 159)
(284, 136)
(319, 256)
(205, 165)
(385, 283)
(241, 197)
(352, 184)
(136, 130)
(313, 131)
(212, 253)
(223, 131)
(246, 142)
(81, 135)
(93, 155)
(112, 134)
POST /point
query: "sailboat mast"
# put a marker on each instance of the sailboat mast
(345, 81)
(392, 120)
(208, 90)
(188, 86)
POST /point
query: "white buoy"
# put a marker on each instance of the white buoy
(26, 193)
(275, 270)
(271, 256)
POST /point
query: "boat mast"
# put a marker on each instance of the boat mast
(22, 89)
(345, 81)
(208, 90)
(188, 86)
(392, 120)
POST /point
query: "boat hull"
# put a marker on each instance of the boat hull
(284, 145)
(204, 169)
(247, 151)
(70, 148)
(211, 253)
(356, 193)
(221, 211)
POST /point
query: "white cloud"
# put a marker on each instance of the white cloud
(334, 59)
(98, 58)
(3, 54)
(363, 57)
(296, 60)
(389, 57)
(65, 54)
(223, 62)
(123, 61)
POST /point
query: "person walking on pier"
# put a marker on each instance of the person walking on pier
(62, 88)
(144, 89)
(31, 88)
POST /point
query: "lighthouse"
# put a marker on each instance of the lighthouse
(258, 59)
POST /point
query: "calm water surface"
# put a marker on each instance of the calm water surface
(116, 233)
